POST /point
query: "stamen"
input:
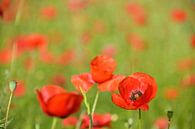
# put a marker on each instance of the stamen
(135, 95)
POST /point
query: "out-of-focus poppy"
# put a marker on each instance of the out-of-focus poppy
(83, 81)
(185, 64)
(136, 42)
(188, 81)
(46, 56)
(109, 50)
(5, 56)
(102, 68)
(161, 123)
(178, 15)
(4, 5)
(70, 121)
(76, 5)
(135, 91)
(49, 12)
(171, 93)
(99, 121)
(86, 37)
(58, 80)
(20, 89)
(30, 42)
(55, 101)
(137, 13)
(28, 63)
(66, 57)
(193, 41)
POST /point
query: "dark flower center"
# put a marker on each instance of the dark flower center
(135, 95)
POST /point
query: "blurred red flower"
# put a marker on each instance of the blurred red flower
(136, 42)
(66, 57)
(55, 101)
(185, 64)
(171, 93)
(20, 89)
(188, 80)
(4, 5)
(109, 50)
(28, 63)
(102, 68)
(5, 56)
(135, 91)
(46, 56)
(178, 15)
(161, 123)
(70, 121)
(99, 121)
(49, 12)
(30, 42)
(137, 13)
(193, 41)
(76, 5)
(58, 79)
(86, 37)
(83, 81)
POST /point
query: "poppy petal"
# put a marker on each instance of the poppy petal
(144, 107)
(62, 105)
(49, 91)
(41, 101)
(83, 80)
(119, 101)
(111, 85)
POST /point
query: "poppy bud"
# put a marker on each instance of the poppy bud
(12, 85)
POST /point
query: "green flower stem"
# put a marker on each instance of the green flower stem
(95, 102)
(87, 107)
(54, 123)
(78, 125)
(140, 119)
(7, 110)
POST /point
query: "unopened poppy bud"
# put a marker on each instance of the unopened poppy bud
(169, 114)
(12, 85)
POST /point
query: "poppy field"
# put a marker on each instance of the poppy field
(97, 64)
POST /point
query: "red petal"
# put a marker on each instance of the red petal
(70, 121)
(145, 107)
(128, 85)
(102, 68)
(111, 85)
(83, 80)
(62, 105)
(119, 101)
(41, 102)
(49, 91)
(147, 81)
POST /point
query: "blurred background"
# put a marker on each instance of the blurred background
(46, 42)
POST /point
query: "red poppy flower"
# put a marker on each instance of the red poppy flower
(136, 42)
(49, 12)
(99, 121)
(193, 41)
(102, 68)
(83, 81)
(161, 123)
(20, 89)
(66, 58)
(185, 64)
(76, 5)
(178, 15)
(135, 91)
(171, 93)
(70, 121)
(55, 101)
(30, 42)
(188, 81)
(58, 80)
(109, 50)
(46, 56)
(5, 56)
(137, 13)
